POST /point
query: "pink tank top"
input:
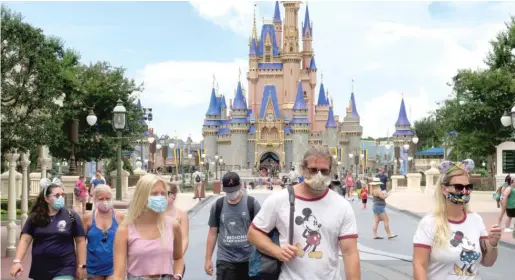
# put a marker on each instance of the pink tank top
(150, 257)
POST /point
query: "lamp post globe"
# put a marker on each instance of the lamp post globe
(415, 139)
(119, 124)
(406, 146)
(203, 156)
(91, 119)
(216, 157)
(483, 164)
(171, 145)
(506, 119)
(190, 156)
(513, 117)
(387, 146)
(158, 146)
(351, 155)
(151, 139)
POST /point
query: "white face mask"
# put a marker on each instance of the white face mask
(232, 195)
(318, 183)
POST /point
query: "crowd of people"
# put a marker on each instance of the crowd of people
(298, 233)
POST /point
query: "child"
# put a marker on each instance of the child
(364, 197)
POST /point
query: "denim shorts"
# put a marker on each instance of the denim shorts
(378, 209)
(64, 277)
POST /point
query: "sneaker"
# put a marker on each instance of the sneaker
(508, 230)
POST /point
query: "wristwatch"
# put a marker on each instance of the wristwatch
(82, 266)
(16, 261)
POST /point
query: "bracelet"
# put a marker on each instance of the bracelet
(490, 245)
(16, 261)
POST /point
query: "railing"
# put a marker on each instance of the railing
(34, 187)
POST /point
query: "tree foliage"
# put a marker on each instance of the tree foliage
(480, 98)
(32, 68)
(428, 133)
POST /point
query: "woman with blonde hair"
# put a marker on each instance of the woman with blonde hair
(100, 227)
(379, 209)
(453, 240)
(148, 244)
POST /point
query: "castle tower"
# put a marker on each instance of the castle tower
(278, 25)
(211, 126)
(352, 131)
(223, 107)
(299, 128)
(321, 108)
(291, 57)
(402, 135)
(239, 127)
(332, 133)
(307, 41)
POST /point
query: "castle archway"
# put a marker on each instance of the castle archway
(269, 161)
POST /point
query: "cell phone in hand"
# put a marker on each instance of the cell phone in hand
(89, 206)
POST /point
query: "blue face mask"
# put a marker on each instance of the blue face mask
(58, 203)
(158, 203)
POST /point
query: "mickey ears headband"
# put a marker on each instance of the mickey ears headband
(447, 166)
(46, 182)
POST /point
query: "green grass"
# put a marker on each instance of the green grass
(4, 217)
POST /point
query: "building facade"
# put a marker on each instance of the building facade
(280, 114)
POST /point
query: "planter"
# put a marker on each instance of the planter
(217, 187)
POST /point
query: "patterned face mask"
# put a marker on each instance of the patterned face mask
(458, 198)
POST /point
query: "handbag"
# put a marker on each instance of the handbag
(270, 267)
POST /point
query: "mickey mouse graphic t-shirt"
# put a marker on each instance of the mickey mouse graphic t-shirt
(461, 258)
(319, 225)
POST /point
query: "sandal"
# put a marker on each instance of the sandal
(393, 236)
(379, 237)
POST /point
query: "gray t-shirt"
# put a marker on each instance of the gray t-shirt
(234, 223)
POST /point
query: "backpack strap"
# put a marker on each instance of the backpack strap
(250, 206)
(291, 199)
(218, 211)
(70, 214)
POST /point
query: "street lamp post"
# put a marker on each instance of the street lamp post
(351, 156)
(151, 149)
(119, 124)
(216, 167)
(414, 151)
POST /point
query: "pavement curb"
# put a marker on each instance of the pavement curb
(505, 244)
(195, 209)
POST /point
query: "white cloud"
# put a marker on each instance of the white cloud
(388, 47)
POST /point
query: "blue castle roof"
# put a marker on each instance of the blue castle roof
(354, 108)
(277, 13)
(322, 99)
(222, 102)
(267, 29)
(252, 47)
(312, 64)
(269, 93)
(239, 101)
(402, 120)
(213, 109)
(307, 24)
(330, 118)
(300, 104)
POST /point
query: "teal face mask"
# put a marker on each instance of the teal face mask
(58, 203)
(157, 203)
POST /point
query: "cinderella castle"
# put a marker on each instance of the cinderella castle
(285, 110)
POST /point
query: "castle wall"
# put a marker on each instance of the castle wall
(238, 153)
(299, 147)
(210, 145)
(288, 149)
(225, 151)
(251, 147)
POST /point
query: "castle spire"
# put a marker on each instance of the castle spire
(300, 104)
(402, 120)
(352, 103)
(307, 23)
(277, 12)
(322, 98)
(239, 100)
(213, 108)
(330, 119)
(254, 28)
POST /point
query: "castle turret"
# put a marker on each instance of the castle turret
(278, 25)
(332, 131)
(223, 108)
(321, 108)
(351, 130)
(239, 127)
(211, 125)
(307, 40)
(299, 127)
(403, 135)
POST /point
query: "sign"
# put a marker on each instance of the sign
(508, 161)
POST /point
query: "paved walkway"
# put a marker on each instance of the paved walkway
(419, 204)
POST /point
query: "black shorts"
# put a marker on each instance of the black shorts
(232, 270)
(364, 200)
(510, 212)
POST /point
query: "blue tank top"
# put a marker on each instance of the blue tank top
(99, 260)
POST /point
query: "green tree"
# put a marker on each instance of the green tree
(97, 87)
(427, 132)
(32, 69)
(481, 97)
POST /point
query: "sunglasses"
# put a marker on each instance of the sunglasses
(460, 187)
(316, 170)
(104, 238)
(57, 195)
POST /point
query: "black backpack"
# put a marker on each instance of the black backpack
(197, 179)
(220, 204)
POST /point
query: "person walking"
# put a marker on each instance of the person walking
(197, 191)
(100, 227)
(181, 217)
(81, 193)
(379, 209)
(148, 244)
(317, 238)
(508, 205)
(452, 242)
(57, 238)
(383, 178)
(349, 186)
(98, 180)
(229, 221)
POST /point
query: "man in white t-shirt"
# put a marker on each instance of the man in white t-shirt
(324, 225)
(294, 176)
(462, 256)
